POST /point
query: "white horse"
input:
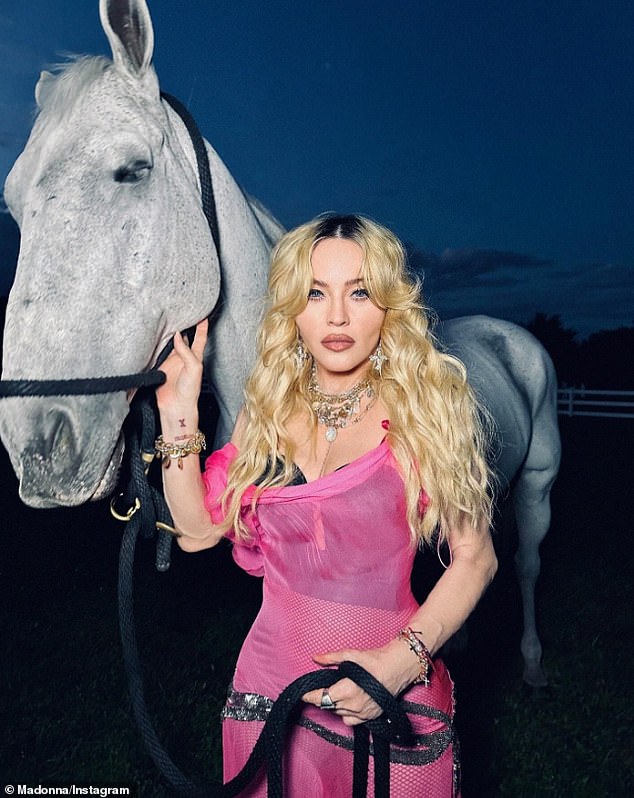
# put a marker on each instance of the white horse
(116, 255)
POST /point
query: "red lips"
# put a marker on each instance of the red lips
(337, 343)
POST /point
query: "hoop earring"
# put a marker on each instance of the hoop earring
(378, 359)
(300, 354)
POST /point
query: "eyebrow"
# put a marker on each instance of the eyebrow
(322, 284)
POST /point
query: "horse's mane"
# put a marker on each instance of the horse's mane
(65, 82)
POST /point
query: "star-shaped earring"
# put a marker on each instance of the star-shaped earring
(378, 359)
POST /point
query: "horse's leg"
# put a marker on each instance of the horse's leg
(532, 513)
(531, 502)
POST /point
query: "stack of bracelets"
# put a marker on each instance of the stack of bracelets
(193, 444)
(421, 651)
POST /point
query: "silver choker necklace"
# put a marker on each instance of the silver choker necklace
(338, 410)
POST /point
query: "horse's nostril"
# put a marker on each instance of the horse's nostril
(62, 438)
(49, 460)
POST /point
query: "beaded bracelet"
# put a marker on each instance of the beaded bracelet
(421, 651)
(176, 451)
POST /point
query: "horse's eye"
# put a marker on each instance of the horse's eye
(132, 172)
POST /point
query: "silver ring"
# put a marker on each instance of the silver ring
(326, 701)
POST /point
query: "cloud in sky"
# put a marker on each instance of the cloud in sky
(462, 268)
(515, 286)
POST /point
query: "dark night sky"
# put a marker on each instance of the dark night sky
(495, 136)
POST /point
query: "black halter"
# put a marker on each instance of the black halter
(153, 377)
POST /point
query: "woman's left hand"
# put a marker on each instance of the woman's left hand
(393, 666)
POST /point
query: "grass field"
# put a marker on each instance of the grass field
(67, 716)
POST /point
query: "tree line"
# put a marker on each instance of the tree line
(602, 360)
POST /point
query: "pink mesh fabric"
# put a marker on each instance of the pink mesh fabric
(314, 768)
(336, 559)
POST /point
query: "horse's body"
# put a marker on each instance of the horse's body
(515, 378)
(116, 255)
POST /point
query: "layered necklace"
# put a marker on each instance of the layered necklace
(338, 410)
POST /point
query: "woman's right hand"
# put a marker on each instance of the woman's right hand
(183, 369)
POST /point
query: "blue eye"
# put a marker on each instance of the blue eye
(315, 293)
(360, 293)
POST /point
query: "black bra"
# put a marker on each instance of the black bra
(298, 477)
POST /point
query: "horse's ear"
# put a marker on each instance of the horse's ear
(42, 87)
(128, 26)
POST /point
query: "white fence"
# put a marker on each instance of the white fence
(601, 404)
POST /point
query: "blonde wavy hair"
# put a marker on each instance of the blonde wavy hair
(438, 434)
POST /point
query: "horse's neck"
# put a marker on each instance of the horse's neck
(247, 232)
(272, 229)
(241, 207)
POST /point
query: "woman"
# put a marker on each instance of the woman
(358, 441)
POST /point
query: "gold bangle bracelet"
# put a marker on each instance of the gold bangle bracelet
(167, 451)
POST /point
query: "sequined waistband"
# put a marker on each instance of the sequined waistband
(425, 748)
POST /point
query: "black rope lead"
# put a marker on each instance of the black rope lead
(81, 386)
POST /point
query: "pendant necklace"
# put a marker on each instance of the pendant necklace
(335, 411)
(338, 410)
(331, 433)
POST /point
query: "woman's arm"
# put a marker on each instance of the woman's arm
(455, 595)
(445, 609)
(177, 401)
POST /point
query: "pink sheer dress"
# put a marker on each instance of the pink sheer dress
(336, 559)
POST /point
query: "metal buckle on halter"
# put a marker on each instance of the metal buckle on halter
(130, 511)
